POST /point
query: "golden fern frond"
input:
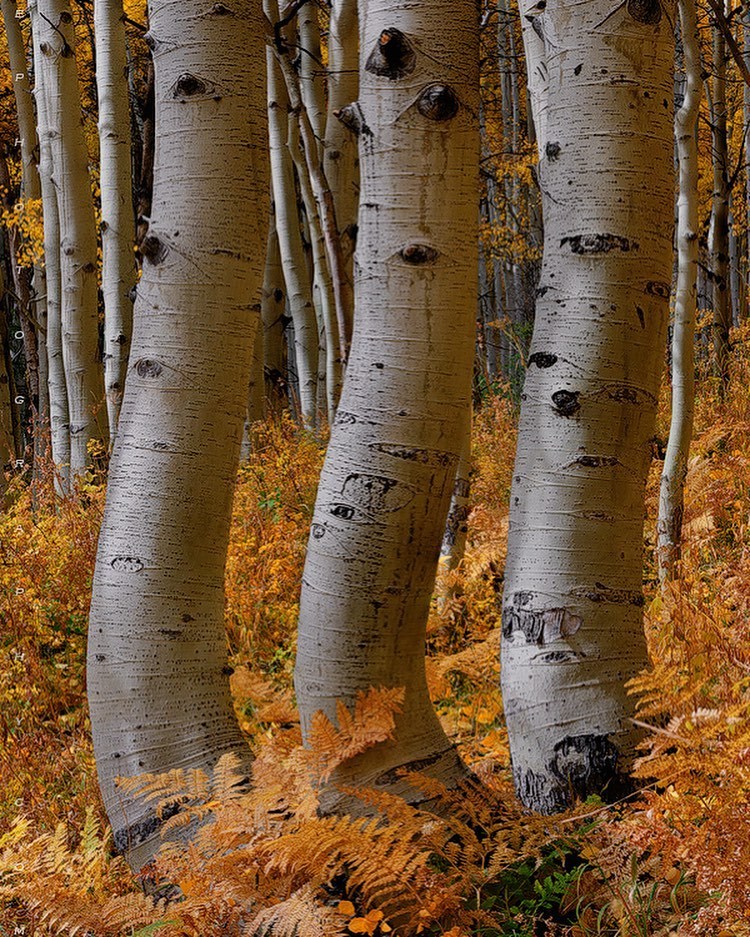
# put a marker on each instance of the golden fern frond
(180, 784)
(299, 916)
(372, 721)
(228, 778)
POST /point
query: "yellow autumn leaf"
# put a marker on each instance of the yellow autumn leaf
(345, 907)
(360, 925)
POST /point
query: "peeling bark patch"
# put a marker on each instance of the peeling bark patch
(418, 254)
(424, 456)
(566, 402)
(602, 593)
(540, 626)
(393, 56)
(552, 151)
(147, 367)
(543, 359)
(599, 243)
(127, 564)
(658, 288)
(647, 12)
(376, 492)
(438, 102)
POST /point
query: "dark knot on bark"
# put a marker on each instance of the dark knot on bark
(393, 56)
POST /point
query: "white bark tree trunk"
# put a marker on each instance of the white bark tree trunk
(118, 223)
(78, 245)
(389, 470)
(272, 310)
(157, 689)
(299, 290)
(56, 384)
(572, 618)
(340, 155)
(669, 525)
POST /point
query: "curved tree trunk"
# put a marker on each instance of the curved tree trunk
(56, 385)
(669, 525)
(572, 619)
(157, 689)
(389, 470)
(118, 226)
(78, 257)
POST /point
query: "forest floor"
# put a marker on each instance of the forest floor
(675, 859)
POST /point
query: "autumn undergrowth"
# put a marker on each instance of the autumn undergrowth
(671, 860)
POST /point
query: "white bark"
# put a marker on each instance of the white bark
(78, 247)
(311, 71)
(456, 526)
(389, 470)
(572, 618)
(669, 525)
(298, 286)
(56, 384)
(157, 689)
(118, 223)
(340, 155)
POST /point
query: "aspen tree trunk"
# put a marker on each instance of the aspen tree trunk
(389, 470)
(669, 525)
(340, 155)
(78, 247)
(311, 71)
(56, 385)
(118, 228)
(456, 526)
(322, 283)
(273, 307)
(298, 288)
(601, 82)
(35, 315)
(7, 441)
(719, 229)
(157, 689)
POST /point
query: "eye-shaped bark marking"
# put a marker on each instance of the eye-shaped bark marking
(552, 151)
(376, 492)
(191, 86)
(438, 102)
(658, 288)
(318, 531)
(647, 12)
(147, 367)
(566, 402)
(393, 56)
(596, 461)
(542, 359)
(419, 254)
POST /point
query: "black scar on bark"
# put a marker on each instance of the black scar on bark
(438, 102)
(393, 56)
(352, 118)
(658, 288)
(552, 151)
(641, 317)
(153, 249)
(138, 833)
(147, 367)
(127, 564)
(419, 254)
(539, 626)
(190, 86)
(581, 765)
(543, 359)
(600, 592)
(647, 12)
(318, 531)
(423, 456)
(599, 243)
(566, 402)
(344, 511)
(596, 461)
